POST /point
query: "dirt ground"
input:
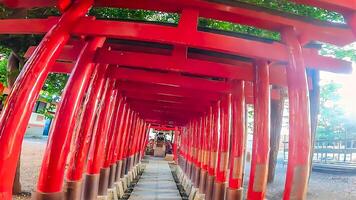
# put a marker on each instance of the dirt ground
(31, 158)
(322, 186)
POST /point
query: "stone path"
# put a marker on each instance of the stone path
(156, 183)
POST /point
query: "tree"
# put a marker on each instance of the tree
(331, 114)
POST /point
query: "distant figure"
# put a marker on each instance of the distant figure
(169, 147)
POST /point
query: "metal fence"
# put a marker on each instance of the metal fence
(338, 154)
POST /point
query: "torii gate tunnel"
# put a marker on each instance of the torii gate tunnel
(129, 75)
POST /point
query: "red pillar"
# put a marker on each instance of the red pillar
(52, 171)
(202, 154)
(81, 146)
(299, 123)
(96, 151)
(206, 152)
(199, 123)
(222, 162)
(215, 124)
(22, 98)
(118, 141)
(137, 141)
(105, 170)
(237, 141)
(120, 156)
(145, 140)
(352, 21)
(139, 145)
(129, 142)
(111, 154)
(109, 168)
(189, 145)
(260, 147)
(175, 145)
(195, 151)
(183, 150)
(132, 142)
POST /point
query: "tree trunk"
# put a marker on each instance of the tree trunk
(14, 65)
(314, 96)
(277, 107)
(13, 68)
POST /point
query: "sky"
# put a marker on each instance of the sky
(348, 83)
(347, 91)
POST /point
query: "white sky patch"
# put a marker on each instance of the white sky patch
(347, 90)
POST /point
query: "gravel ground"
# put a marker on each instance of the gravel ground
(31, 159)
(322, 186)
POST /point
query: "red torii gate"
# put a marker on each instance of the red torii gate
(217, 74)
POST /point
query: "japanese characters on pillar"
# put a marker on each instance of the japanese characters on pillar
(237, 141)
(194, 149)
(206, 140)
(121, 157)
(203, 155)
(121, 113)
(112, 131)
(139, 141)
(105, 167)
(80, 150)
(189, 145)
(145, 140)
(108, 165)
(96, 151)
(299, 120)
(134, 138)
(96, 157)
(223, 150)
(175, 144)
(214, 138)
(115, 157)
(201, 141)
(225, 120)
(130, 141)
(184, 150)
(21, 100)
(198, 152)
(260, 147)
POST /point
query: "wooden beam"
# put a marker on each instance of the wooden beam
(169, 79)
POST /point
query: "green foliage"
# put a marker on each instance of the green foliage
(298, 9)
(331, 118)
(53, 87)
(140, 15)
(47, 112)
(238, 28)
(3, 71)
(20, 43)
(345, 53)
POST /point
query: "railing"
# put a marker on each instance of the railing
(338, 154)
(335, 151)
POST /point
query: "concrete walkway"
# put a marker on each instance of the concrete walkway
(156, 183)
